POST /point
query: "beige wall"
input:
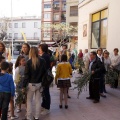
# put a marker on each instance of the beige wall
(86, 9)
(68, 17)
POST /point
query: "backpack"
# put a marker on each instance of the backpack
(47, 78)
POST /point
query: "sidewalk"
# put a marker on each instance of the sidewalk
(82, 109)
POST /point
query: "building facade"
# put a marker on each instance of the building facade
(98, 24)
(24, 26)
(72, 20)
(53, 12)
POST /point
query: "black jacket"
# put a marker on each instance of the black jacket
(46, 57)
(98, 68)
(34, 76)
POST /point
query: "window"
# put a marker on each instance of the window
(64, 6)
(16, 25)
(47, 15)
(10, 35)
(56, 17)
(35, 35)
(35, 25)
(10, 25)
(99, 29)
(73, 10)
(23, 25)
(46, 35)
(47, 5)
(15, 35)
(46, 25)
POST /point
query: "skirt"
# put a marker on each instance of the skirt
(64, 83)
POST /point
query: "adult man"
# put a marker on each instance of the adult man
(95, 68)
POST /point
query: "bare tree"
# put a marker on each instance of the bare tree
(61, 32)
(3, 28)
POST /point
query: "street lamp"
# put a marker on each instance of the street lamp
(12, 25)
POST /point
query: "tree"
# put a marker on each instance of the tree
(61, 32)
(3, 28)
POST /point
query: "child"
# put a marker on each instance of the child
(63, 75)
(2, 59)
(7, 89)
(19, 75)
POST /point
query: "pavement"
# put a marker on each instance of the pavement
(82, 109)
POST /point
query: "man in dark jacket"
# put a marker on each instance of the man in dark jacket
(95, 68)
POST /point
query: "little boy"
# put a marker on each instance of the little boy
(7, 89)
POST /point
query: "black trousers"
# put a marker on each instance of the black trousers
(94, 89)
(4, 103)
(102, 83)
(46, 101)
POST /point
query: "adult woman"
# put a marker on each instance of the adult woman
(80, 55)
(34, 71)
(107, 63)
(43, 51)
(102, 80)
(2, 49)
(115, 61)
(25, 50)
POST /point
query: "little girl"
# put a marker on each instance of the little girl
(19, 75)
(62, 79)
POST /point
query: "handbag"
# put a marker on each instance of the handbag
(47, 78)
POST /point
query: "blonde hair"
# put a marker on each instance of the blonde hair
(33, 55)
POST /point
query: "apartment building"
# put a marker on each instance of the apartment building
(72, 19)
(53, 12)
(29, 26)
(99, 24)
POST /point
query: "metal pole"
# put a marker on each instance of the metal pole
(12, 25)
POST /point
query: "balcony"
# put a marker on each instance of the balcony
(56, 8)
(21, 38)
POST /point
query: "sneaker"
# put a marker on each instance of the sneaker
(18, 110)
(45, 112)
(8, 116)
(102, 95)
(14, 117)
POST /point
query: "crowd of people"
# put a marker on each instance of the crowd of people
(30, 68)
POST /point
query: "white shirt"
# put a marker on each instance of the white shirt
(115, 60)
(100, 56)
(86, 57)
(107, 63)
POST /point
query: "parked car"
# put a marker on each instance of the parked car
(17, 49)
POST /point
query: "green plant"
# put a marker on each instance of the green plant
(81, 82)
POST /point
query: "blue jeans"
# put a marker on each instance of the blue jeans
(4, 103)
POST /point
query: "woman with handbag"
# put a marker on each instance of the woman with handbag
(34, 71)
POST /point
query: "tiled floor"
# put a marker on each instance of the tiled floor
(82, 109)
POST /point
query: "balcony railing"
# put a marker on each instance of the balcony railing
(21, 38)
(56, 8)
